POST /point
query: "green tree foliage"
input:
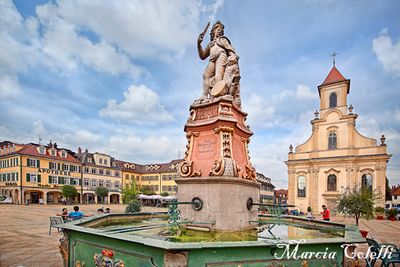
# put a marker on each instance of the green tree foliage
(129, 194)
(102, 192)
(388, 195)
(146, 190)
(164, 194)
(69, 191)
(133, 206)
(358, 203)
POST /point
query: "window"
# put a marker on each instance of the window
(332, 143)
(42, 150)
(63, 154)
(53, 152)
(116, 184)
(93, 183)
(33, 178)
(126, 176)
(105, 161)
(366, 182)
(301, 186)
(53, 179)
(86, 182)
(66, 180)
(101, 161)
(116, 174)
(52, 166)
(33, 163)
(86, 169)
(108, 172)
(101, 183)
(94, 170)
(332, 100)
(331, 182)
(108, 183)
(101, 171)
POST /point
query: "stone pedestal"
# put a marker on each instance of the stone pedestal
(217, 167)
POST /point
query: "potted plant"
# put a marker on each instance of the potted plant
(379, 211)
(358, 202)
(392, 213)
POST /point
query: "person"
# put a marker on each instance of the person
(107, 210)
(76, 214)
(64, 214)
(100, 211)
(219, 50)
(326, 214)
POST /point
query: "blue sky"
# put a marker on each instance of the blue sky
(118, 77)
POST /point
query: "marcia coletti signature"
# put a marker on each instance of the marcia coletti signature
(292, 252)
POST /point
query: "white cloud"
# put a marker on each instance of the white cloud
(304, 92)
(141, 105)
(9, 86)
(5, 133)
(140, 28)
(388, 53)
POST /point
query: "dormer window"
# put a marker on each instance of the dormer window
(63, 154)
(101, 161)
(42, 150)
(332, 100)
(89, 160)
(53, 152)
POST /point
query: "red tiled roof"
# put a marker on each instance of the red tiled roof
(334, 76)
(396, 191)
(31, 150)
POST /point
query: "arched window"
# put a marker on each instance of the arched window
(333, 100)
(366, 182)
(332, 140)
(331, 182)
(301, 186)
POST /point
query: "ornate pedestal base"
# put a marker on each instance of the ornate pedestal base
(224, 202)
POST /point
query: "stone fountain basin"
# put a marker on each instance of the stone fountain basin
(134, 240)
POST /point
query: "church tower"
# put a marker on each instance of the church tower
(336, 155)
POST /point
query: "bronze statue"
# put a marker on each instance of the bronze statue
(221, 76)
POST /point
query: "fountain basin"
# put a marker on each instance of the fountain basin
(142, 239)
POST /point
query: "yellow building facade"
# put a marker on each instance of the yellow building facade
(336, 156)
(35, 173)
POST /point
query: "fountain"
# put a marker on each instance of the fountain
(215, 222)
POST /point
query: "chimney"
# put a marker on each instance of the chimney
(79, 150)
(55, 145)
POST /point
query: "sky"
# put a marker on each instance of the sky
(118, 77)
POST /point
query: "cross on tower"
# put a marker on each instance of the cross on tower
(334, 55)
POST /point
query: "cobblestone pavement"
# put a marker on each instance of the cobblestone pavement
(24, 234)
(24, 238)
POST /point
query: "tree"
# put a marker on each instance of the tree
(358, 202)
(129, 194)
(69, 191)
(146, 190)
(388, 195)
(164, 194)
(102, 192)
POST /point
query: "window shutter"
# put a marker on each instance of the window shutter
(39, 178)
(38, 163)
(28, 177)
(58, 166)
(28, 163)
(50, 177)
(80, 181)
(16, 176)
(50, 165)
(61, 180)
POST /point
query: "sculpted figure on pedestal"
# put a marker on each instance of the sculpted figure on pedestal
(221, 76)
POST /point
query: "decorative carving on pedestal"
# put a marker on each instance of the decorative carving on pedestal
(175, 259)
(105, 259)
(186, 169)
(64, 247)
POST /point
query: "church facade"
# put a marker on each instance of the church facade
(336, 156)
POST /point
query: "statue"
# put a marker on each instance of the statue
(221, 76)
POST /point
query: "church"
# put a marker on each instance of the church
(336, 156)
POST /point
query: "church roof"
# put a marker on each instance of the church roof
(334, 76)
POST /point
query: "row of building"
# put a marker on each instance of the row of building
(36, 173)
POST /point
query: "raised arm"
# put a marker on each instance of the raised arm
(203, 54)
